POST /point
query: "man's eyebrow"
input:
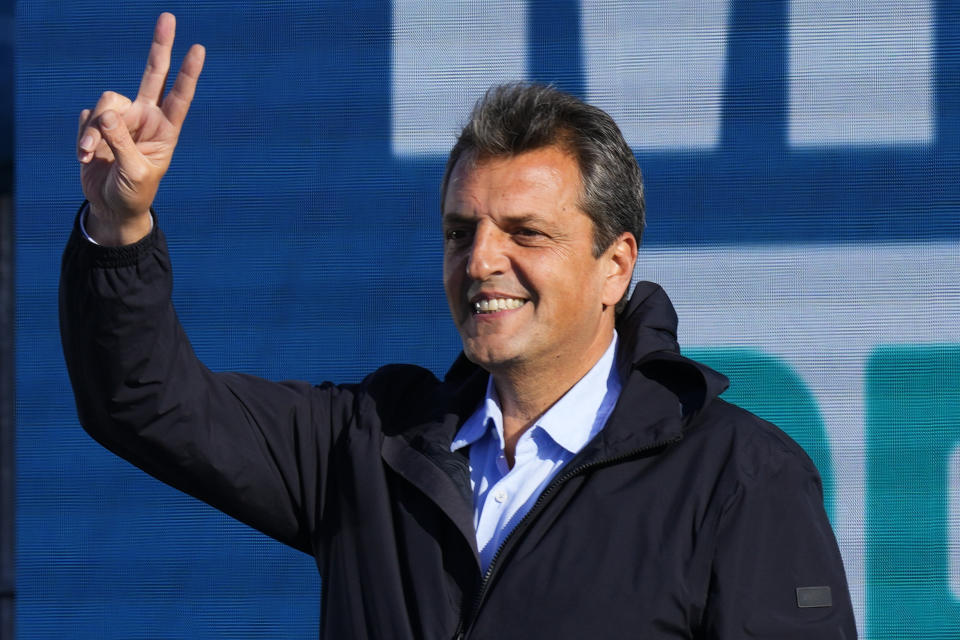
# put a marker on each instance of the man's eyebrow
(523, 218)
(455, 217)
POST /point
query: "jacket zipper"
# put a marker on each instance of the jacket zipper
(461, 631)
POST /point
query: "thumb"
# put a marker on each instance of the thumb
(117, 136)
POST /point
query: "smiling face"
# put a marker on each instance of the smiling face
(524, 288)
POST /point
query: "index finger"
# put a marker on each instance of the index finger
(158, 61)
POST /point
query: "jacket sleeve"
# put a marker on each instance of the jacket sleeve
(251, 448)
(777, 571)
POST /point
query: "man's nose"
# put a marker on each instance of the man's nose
(488, 255)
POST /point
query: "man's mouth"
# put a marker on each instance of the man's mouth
(492, 305)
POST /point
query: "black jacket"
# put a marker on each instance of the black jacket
(686, 517)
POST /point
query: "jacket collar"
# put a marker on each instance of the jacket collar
(663, 391)
(419, 450)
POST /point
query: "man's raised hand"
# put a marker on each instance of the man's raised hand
(125, 147)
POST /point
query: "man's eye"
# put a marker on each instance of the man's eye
(456, 234)
(527, 232)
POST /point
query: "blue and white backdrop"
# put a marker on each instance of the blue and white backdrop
(801, 160)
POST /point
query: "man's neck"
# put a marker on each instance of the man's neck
(526, 393)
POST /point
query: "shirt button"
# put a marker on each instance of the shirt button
(500, 495)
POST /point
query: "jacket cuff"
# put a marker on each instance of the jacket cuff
(98, 255)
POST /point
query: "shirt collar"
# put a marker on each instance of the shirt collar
(571, 422)
(477, 424)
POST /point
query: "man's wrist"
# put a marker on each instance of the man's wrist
(99, 234)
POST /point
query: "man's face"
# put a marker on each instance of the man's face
(524, 288)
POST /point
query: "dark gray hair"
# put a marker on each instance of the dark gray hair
(513, 118)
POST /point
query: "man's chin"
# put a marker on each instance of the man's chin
(488, 358)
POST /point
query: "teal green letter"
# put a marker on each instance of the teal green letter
(913, 430)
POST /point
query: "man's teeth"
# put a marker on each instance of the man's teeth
(497, 304)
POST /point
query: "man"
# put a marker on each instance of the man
(572, 476)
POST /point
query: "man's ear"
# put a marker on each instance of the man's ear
(619, 259)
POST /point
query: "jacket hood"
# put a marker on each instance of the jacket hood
(647, 324)
(648, 335)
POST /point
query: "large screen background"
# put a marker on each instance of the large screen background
(801, 161)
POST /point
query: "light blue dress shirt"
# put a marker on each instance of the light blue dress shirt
(503, 496)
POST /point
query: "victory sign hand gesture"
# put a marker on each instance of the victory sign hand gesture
(125, 147)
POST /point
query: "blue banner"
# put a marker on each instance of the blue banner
(801, 163)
